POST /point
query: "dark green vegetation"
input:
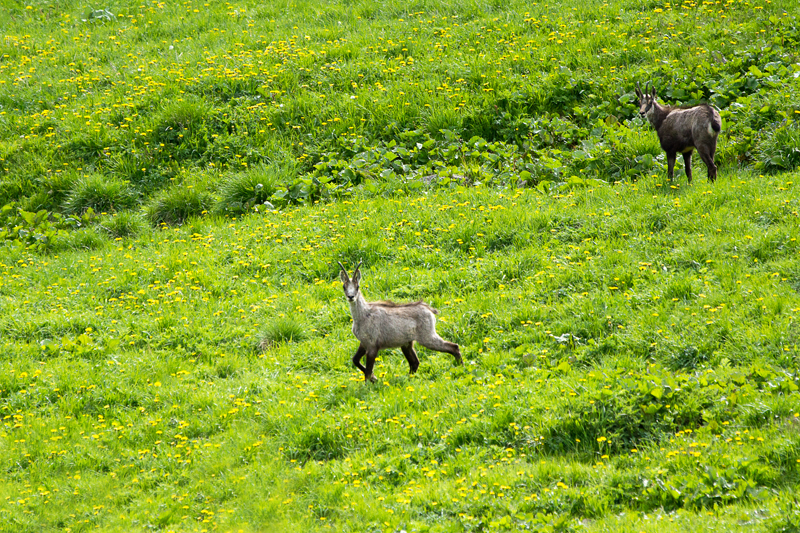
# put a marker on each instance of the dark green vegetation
(187, 109)
(175, 352)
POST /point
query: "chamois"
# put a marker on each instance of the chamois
(383, 324)
(680, 130)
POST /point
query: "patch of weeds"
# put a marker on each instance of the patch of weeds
(39, 231)
(596, 351)
(641, 408)
(688, 358)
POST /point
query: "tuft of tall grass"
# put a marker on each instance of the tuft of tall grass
(282, 330)
(57, 186)
(99, 193)
(84, 239)
(181, 122)
(240, 192)
(124, 224)
(177, 204)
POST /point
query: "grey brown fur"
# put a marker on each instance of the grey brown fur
(380, 325)
(682, 130)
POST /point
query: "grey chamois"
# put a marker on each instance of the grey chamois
(680, 130)
(380, 325)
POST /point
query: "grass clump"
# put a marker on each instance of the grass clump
(123, 225)
(52, 191)
(176, 205)
(182, 124)
(84, 239)
(281, 330)
(99, 193)
(241, 192)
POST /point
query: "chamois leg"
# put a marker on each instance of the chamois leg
(707, 155)
(357, 358)
(687, 165)
(372, 353)
(440, 345)
(411, 356)
(671, 164)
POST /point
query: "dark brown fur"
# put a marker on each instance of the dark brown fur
(681, 130)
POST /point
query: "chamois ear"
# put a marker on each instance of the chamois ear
(357, 273)
(638, 90)
(653, 92)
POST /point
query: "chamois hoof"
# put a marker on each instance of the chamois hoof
(371, 379)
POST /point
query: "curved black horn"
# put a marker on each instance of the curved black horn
(357, 266)
(342, 266)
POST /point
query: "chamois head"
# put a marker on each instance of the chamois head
(647, 100)
(349, 285)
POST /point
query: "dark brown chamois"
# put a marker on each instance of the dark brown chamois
(380, 325)
(681, 130)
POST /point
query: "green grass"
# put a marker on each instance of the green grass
(610, 366)
(180, 181)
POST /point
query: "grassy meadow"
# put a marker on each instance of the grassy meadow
(179, 180)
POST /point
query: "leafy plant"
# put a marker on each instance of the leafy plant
(780, 151)
(39, 231)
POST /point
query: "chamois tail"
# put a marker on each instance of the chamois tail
(714, 125)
